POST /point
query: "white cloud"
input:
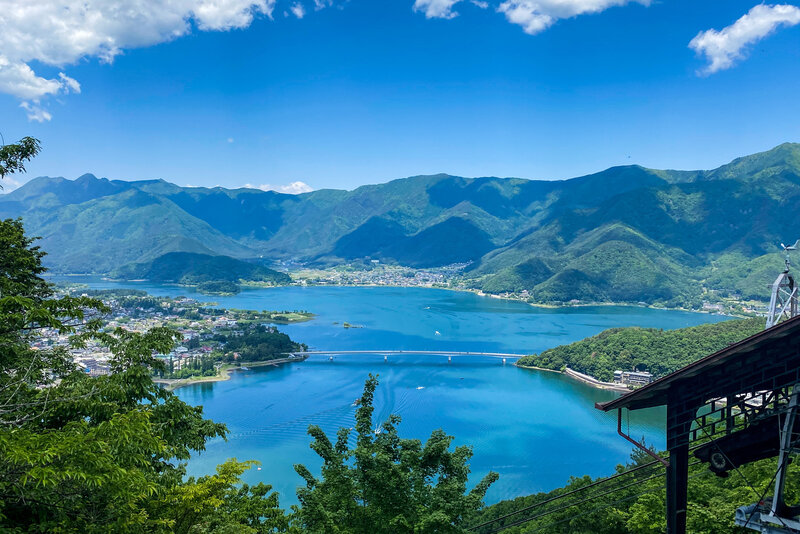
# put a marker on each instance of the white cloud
(294, 188)
(322, 4)
(436, 9)
(230, 140)
(61, 32)
(298, 10)
(36, 112)
(723, 48)
(8, 184)
(480, 3)
(69, 84)
(18, 79)
(537, 15)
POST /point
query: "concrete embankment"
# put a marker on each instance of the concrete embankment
(586, 379)
(592, 381)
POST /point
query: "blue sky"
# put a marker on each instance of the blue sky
(364, 91)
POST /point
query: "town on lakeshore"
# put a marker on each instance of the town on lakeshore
(211, 339)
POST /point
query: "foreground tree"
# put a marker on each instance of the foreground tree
(14, 156)
(104, 454)
(387, 484)
(83, 454)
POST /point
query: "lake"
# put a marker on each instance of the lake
(534, 428)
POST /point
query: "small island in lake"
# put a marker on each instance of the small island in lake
(218, 287)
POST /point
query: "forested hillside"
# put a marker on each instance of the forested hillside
(627, 234)
(646, 349)
(189, 268)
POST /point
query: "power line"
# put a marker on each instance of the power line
(592, 511)
(598, 483)
(599, 508)
(588, 499)
(567, 494)
(603, 482)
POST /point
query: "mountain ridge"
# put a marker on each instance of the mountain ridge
(625, 233)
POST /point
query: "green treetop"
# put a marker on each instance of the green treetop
(14, 156)
(104, 454)
(83, 454)
(386, 484)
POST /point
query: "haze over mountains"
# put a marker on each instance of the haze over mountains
(623, 234)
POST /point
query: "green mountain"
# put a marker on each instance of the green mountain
(623, 234)
(190, 268)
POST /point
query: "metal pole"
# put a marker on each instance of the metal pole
(786, 445)
(678, 469)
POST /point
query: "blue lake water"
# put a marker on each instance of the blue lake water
(534, 428)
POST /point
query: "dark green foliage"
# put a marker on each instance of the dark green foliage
(240, 213)
(188, 268)
(369, 239)
(14, 156)
(612, 263)
(218, 287)
(98, 226)
(521, 277)
(646, 349)
(81, 454)
(748, 278)
(455, 240)
(20, 263)
(219, 504)
(386, 484)
(614, 271)
(259, 343)
(113, 293)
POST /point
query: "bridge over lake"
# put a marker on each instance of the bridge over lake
(387, 353)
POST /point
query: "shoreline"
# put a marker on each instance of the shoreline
(481, 293)
(224, 373)
(477, 292)
(580, 377)
(592, 381)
